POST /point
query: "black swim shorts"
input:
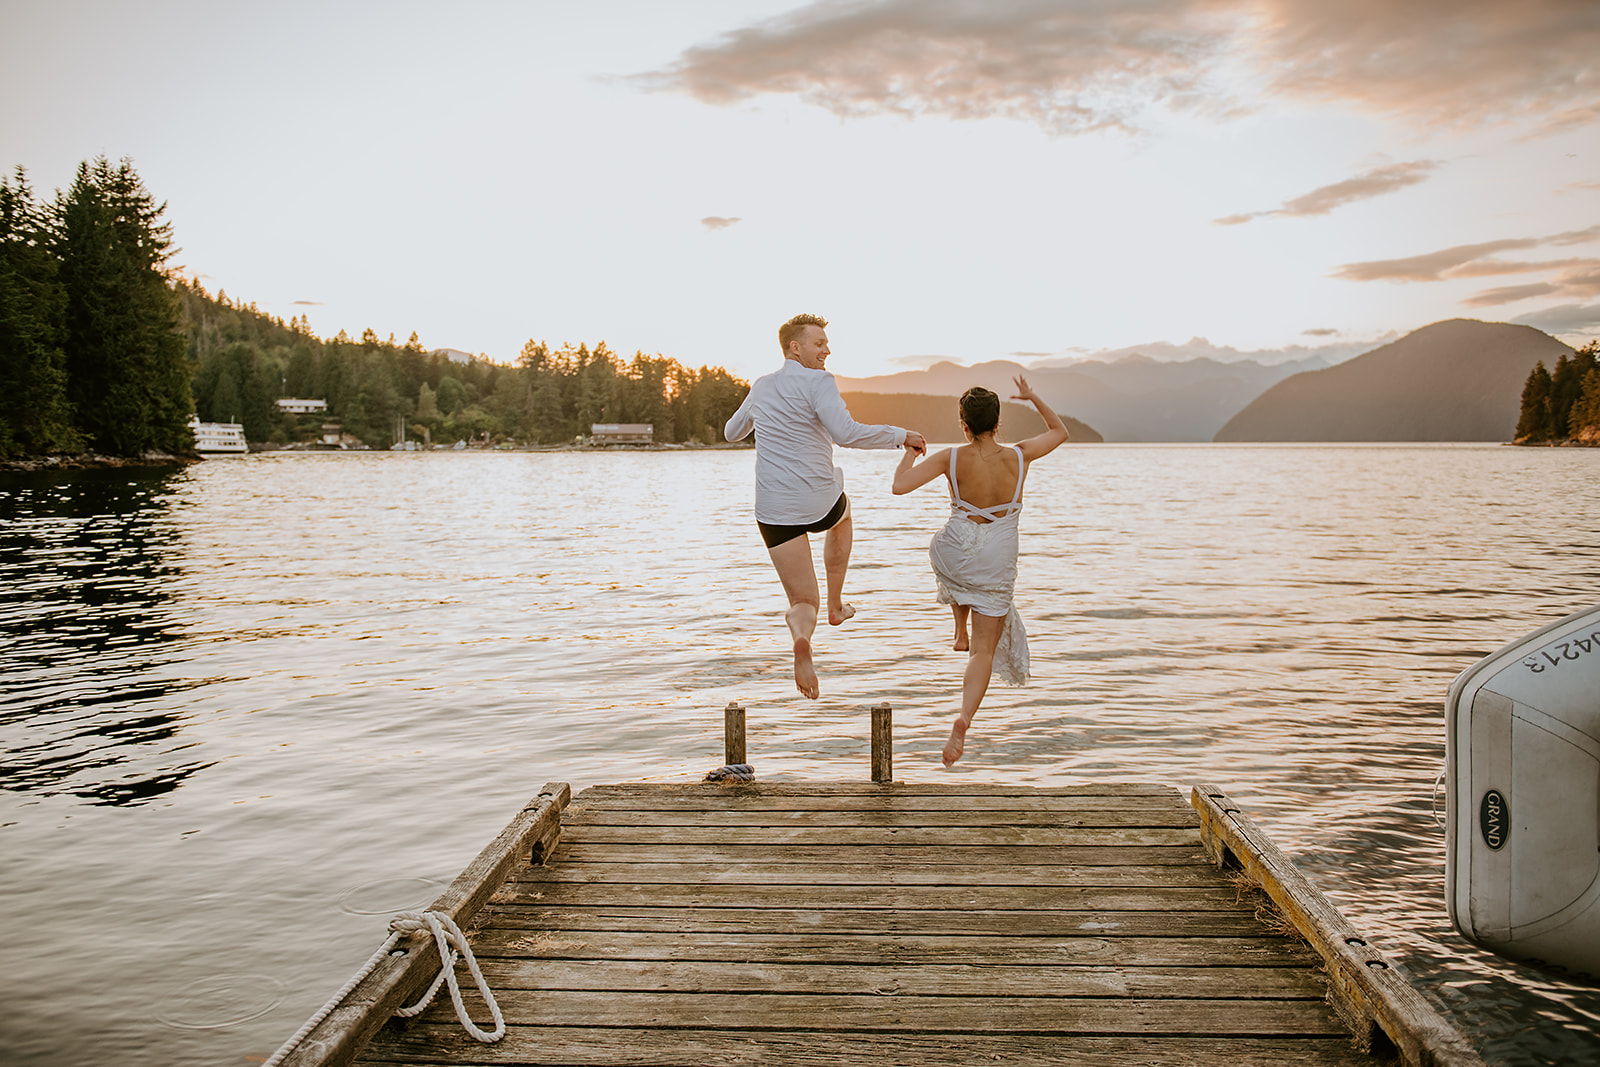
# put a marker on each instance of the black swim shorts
(777, 535)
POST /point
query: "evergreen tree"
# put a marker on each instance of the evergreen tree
(127, 376)
(1584, 422)
(1534, 423)
(35, 416)
(1566, 387)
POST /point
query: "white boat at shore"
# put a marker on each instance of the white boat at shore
(218, 438)
(1523, 764)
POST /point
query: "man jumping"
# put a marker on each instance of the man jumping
(798, 416)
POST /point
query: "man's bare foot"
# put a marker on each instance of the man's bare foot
(957, 744)
(805, 674)
(838, 615)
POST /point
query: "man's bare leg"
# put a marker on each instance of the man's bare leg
(960, 612)
(835, 562)
(792, 560)
(975, 683)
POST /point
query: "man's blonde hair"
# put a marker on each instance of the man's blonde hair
(791, 329)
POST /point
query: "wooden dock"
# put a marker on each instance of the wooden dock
(844, 923)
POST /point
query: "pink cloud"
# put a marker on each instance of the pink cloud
(1105, 64)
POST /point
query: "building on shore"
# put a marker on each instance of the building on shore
(290, 405)
(622, 433)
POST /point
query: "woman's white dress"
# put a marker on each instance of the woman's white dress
(975, 563)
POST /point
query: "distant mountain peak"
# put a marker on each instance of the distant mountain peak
(1454, 380)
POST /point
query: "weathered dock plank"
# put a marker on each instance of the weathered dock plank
(1376, 1001)
(700, 833)
(433, 1046)
(880, 978)
(899, 948)
(971, 921)
(972, 856)
(973, 1015)
(899, 818)
(760, 872)
(894, 898)
(856, 923)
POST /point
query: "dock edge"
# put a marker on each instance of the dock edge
(410, 968)
(1374, 998)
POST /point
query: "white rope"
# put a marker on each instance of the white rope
(449, 939)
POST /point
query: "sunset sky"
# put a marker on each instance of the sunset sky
(1002, 179)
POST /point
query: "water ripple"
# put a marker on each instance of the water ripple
(235, 692)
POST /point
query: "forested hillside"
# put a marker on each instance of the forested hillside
(245, 360)
(104, 349)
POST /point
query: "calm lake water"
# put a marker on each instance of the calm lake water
(250, 709)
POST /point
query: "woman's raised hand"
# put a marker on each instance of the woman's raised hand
(1024, 390)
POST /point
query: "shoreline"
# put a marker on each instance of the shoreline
(96, 461)
(722, 447)
(100, 461)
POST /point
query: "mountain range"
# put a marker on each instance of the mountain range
(1134, 398)
(936, 417)
(1458, 380)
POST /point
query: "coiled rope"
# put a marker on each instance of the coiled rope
(451, 943)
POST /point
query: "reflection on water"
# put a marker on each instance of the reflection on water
(87, 626)
(272, 700)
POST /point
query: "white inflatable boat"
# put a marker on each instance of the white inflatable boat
(1522, 748)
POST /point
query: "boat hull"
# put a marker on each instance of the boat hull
(1522, 750)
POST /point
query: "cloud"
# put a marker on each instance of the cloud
(916, 362)
(1578, 279)
(1465, 261)
(1321, 331)
(1563, 319)
(1431, 266)
(1492, 268)
(307, 303)
(1572, 278)
(719, 222)
(1323, 200)
(1077, 67)
(1439, 62)
(1070, 68)
(1510, 294)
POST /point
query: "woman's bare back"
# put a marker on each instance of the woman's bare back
(986, 473)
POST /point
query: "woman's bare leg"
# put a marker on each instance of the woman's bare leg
(975, 683)
(960, 611)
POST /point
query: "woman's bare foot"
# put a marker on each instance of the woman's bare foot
(957, 744)
(837, 616)
(805, 674)
(962, 644)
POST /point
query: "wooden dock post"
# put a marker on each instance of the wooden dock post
(733, 733)
(882, 743)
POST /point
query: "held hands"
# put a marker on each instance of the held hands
(915, 442)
